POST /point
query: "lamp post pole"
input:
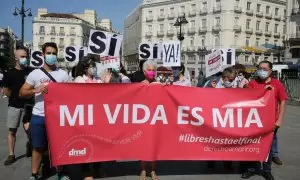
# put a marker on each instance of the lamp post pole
(22, 12)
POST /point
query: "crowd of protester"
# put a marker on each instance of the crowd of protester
(25, 88)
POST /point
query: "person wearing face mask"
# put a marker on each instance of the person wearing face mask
(178, 75)
(265, 81)
(12, 83)
(226, 80)
(86, 71)
(242, 80)
(35, 86)
(149, 69)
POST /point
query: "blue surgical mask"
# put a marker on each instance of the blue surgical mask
(50, 59)
(92, 71)
(23, 62)
(262, 74)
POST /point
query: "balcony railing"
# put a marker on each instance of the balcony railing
(259, 14)
(53, 33)
(294, 36)
(249, 31)
(203, 11)
(258, 32)
(191, 30)
(277, 17)
(268, 16)
(61, 45)
(149, 18)
(202, 30)
(160, 33)
(72, 34)
(191, 48)
(277, 35)
(216, 28)
(249, 12)
(268, 33)
(161, 17)
(217, 9)
(61, 33)
(237, 9)
(148, 34)
(192, 13)
(170, 33)
(237, 28)
(171, 16)
(42, 33)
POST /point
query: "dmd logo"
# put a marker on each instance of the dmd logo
(74, 152)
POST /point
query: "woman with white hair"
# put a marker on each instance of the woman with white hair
(149, 69)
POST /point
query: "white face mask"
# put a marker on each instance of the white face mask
(23, 62)
(227, 84)
(92, 71)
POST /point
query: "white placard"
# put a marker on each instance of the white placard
(150, 51)
(36, 59)
(171, 54)
(228, 56)
(213, 63)
(110, 62)
(74, 53)
(104, 43)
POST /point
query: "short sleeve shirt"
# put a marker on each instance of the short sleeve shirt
(280, 93)
(14, 80)
(38, 77)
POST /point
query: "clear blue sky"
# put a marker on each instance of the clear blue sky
(116, 10)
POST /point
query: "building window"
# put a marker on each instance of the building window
(171, 25)
(204, 4)
(248, 5)
(193, 7)
(204, 23)
(218, 3)
(72, 31)
(42, 40)
(149, 13)
(61, 41)
(161, 12)
(266, 41)
(267, 27)
(218, 21)
(284, 29)
(72, 42)
(236, 38)
(172, 10)
(276, 11)
(237, 2)
(161, 27)
(246, 59)
(257, 25)
(276, 28)
(192, 41)
(247, 41)
(203, 42)
(267, 9)
(258, 7)
(236, 20)
(257, 42)
(217, 40)
(53, 40)
(52, 30)
(149, 28)
(182, 9)
(248, 24)
(42, 29)
(193, 24)
(62, 31)
(285, 13)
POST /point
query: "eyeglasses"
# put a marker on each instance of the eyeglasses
(265, 69)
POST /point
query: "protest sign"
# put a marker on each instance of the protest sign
(213, 63)
(74, 53)
(36, 59)
(171, 54)
(150, 51)
(104, 43)
(180, 123)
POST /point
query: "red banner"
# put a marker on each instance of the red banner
(103, 122)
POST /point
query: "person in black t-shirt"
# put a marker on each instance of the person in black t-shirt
(12, 83)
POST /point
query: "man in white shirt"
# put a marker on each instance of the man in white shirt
(36, 85)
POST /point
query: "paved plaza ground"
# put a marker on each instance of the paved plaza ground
(289, 140)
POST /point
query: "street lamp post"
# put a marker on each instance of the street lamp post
(22, 12)
(181, 20)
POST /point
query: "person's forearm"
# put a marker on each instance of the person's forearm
(7, 92)
(24, 93)
(281, 111)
